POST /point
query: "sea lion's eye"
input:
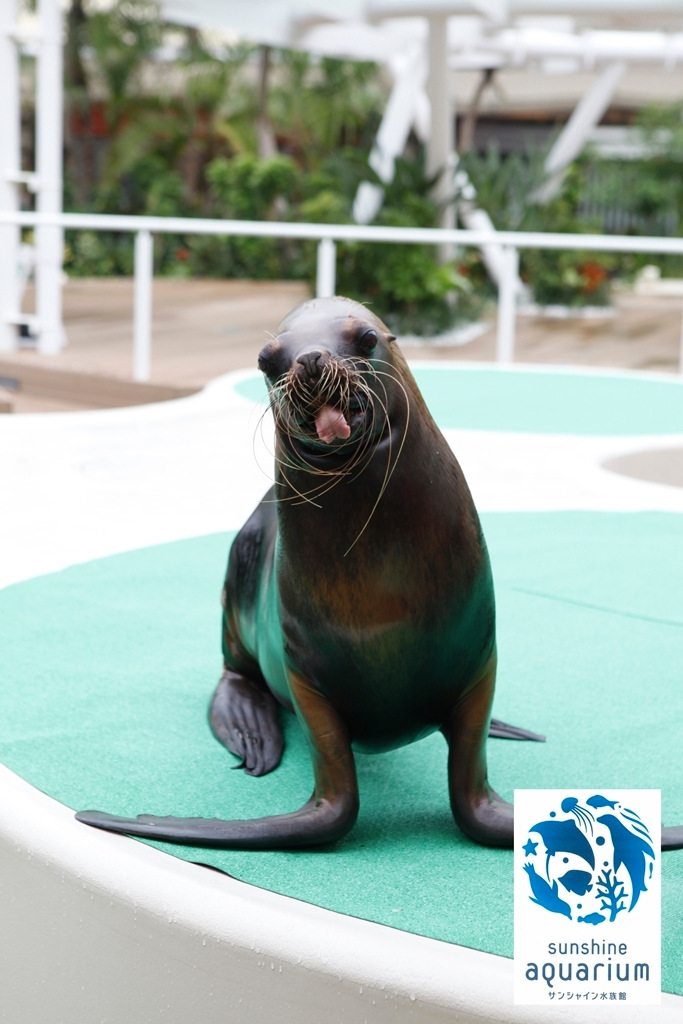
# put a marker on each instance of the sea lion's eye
(367, 340)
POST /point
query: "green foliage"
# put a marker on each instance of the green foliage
(98, 253)
(640, 197)
(504, 189)
(504, 184)
(568, 278)
(192, 151)
(195, 154)
(247, 188)
(405, 284)
(122, 38)
(316, 106)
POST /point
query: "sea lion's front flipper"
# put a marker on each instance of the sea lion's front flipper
(672, 837)
(478, 811)
(328, 815)
(502, 731)
(244, 717)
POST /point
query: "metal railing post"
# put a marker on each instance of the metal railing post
(49, 145)
(326, 276)
(142, 306)
(507, 306)
(10, 162)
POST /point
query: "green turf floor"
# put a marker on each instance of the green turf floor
(540, 402)
(107, 669)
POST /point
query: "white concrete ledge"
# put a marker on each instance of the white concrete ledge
(97, 927)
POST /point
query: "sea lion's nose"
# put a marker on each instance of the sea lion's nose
(313, 362)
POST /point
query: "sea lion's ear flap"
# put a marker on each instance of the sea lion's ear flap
(391, 337)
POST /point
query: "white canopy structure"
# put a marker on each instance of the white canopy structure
(420, 42)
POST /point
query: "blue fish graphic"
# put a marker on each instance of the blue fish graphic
(546, 895)
(600, 801)
(564, 837)
(629, 850)
(592, 918)
(579, 882)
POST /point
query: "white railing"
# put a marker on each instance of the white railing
(327, 235)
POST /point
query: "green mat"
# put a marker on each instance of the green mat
(107, 669)
(539, 402)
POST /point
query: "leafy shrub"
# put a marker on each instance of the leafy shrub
(404, 284)
(193, 154)
(505, 188)
(98, 253)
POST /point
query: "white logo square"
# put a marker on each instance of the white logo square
(587, 890)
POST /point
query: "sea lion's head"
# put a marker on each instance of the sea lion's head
(331, 377)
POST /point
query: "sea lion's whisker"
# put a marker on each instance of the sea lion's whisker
(304, 498)
(291, 400)
(259, 428)
(390, 469)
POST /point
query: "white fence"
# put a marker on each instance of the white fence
(327, 235)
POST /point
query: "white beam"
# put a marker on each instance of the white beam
(10, 157)
(403, 107)
(440, 145)
(49, 239)
(476, 219)
(588, 113)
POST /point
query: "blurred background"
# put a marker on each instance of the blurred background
(542, 115)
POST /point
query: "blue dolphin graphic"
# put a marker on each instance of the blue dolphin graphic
(629, 850)
(565, 837)
(546, 895)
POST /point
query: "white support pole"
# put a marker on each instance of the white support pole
(142, 307)
(326, 276)
(587, 114)
(49, 240)
(441, 142)
(10, 163)
(680, 355)
(507, 305)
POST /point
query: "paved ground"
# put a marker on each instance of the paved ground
(203, 328)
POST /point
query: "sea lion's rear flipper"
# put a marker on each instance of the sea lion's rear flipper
(244, 716)
(672, 837)
(478, 811)
(503, 731)
(328, 815)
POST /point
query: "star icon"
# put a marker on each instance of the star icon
(530, 848)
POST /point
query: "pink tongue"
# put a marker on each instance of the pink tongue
(330, 423)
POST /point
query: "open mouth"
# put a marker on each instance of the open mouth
(329, 428)
(330, 416)
(331, 424)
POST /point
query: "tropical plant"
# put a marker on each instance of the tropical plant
(505, 189)
(193, 151)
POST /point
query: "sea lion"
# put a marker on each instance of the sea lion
(358, 595)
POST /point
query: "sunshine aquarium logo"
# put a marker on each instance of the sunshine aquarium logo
(589, 862)
(587, 895)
